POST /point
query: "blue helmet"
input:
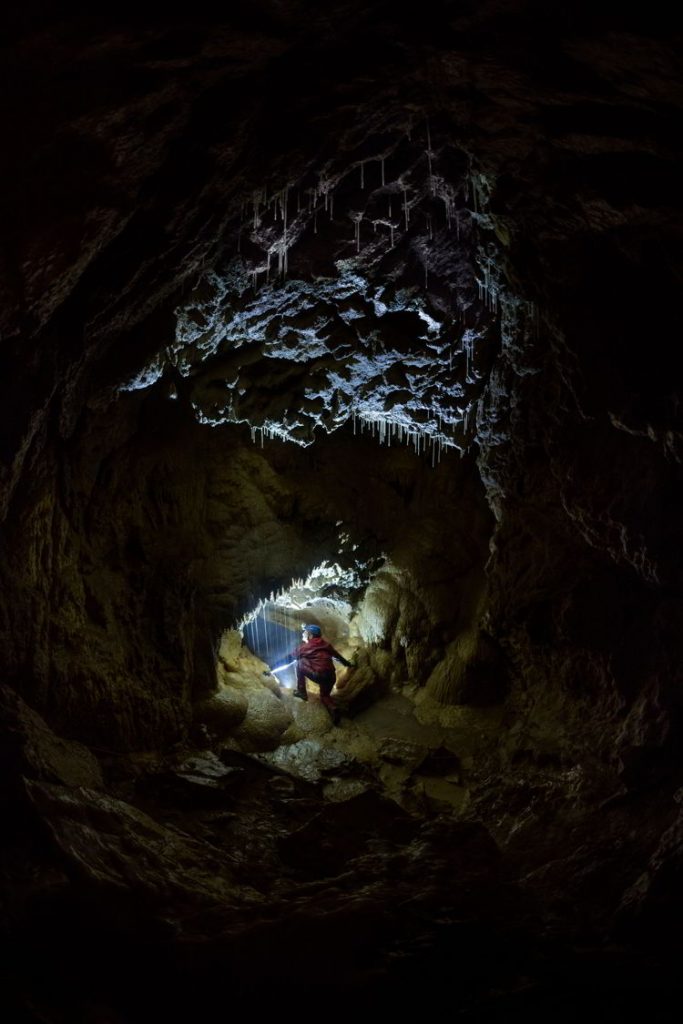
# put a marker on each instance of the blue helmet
(313, 630)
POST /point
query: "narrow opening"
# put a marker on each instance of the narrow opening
(273, 629)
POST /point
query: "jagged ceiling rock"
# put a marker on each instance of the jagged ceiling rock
(520, 101)
(382, 305)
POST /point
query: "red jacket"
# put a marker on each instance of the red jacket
(316, 656)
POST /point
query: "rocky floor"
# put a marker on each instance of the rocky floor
(167, 888)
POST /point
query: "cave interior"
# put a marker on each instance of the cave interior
(340, 315)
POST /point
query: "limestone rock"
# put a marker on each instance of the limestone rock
(203, 780)
(309, 760)
(110, 844)
(223, 711)
(32, 749)
(471, 671)
(266, 720)
(401, 752)
(341, 831)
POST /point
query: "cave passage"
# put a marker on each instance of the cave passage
(273, 629)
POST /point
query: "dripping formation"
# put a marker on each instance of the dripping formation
(236, 310)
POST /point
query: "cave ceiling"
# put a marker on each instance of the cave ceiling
(302, 217)
(355, 297)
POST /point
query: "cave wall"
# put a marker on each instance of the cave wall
(584, 576)
(111, 581)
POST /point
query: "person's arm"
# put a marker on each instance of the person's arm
(286, 659)
(340, 657)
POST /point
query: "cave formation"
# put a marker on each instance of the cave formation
(395, 296)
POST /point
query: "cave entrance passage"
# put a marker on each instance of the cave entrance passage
(273, 629)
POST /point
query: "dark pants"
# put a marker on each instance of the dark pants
(325, 681)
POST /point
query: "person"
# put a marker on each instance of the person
(314, 661)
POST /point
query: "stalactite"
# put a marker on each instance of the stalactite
(256, 199)
(443, 425)
(283, 243)
(357, 218)
(429, 440)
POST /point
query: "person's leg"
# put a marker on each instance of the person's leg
(326, 683)
(300, 685)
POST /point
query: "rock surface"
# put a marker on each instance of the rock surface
(239, 258)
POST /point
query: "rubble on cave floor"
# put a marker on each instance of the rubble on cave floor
(171, 881)
(417, 755)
